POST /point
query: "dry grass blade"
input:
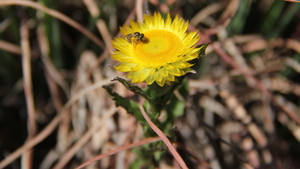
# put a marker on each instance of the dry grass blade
(258, 44)
(57, 15)
(229, 12)
(92, 7)
(52, 125)
(84, 139)
(34, 141)
(164, 139)
(294, 64)
(139, 9)
(105, 33)
(284, 86)
(280, 103)
(10, 47)
(128, 146)
(247, 74)
(201, 15)
(50, 68)
(95, 13)
(26, 63)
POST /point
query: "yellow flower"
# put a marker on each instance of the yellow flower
(160, 53)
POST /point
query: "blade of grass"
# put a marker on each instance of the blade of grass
(272, 16)
(10, 47)
(290, 13)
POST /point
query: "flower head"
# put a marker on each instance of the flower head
(157, 50)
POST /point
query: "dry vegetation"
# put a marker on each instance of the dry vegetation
(242, 109)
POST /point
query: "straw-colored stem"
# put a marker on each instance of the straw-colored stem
(26, 65)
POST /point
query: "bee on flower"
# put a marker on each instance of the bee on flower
(135, 38)
(157, 50)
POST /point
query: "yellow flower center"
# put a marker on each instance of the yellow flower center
(161, 47)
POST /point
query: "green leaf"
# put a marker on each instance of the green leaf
(202, 48)
(133, 109)
(161, 95)
(201, 63)
(131, 87)
(172, 134)
(131, 106)
(175, 107)
(158, 155)
(183, 89)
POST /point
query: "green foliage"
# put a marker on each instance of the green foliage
(272, 17)
(283, 20)
(238, 21)
(131, 106)
(132, 88)
(52, 28)
(202, 49)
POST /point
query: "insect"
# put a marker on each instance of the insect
(135, 38)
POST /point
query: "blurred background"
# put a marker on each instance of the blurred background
(242, 108)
